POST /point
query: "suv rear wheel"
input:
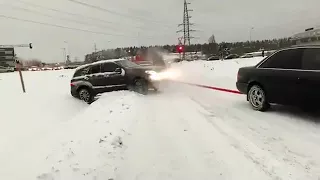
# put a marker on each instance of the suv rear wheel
(257, 98)
(85, 95)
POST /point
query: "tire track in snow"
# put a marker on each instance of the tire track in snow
(175, 141)
(270, 164)
(88, 146)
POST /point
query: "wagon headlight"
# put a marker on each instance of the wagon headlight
(153, 75)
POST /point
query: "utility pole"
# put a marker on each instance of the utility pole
(251, 33)
(67, 47)
(95, 47)
(186, 27)
(64, 54)
(96, 55)
(67, 52)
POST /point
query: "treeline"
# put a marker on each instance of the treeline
(239, 48)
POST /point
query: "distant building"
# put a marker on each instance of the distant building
(310, 36)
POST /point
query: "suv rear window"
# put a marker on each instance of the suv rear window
(286, 59)
(127, 64)
(81, 72)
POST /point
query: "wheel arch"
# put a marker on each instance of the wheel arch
(84, 87)
(134, 79)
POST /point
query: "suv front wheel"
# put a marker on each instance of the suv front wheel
(85, 95)
(257, 98)
(141, 86)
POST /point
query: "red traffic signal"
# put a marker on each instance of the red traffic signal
(180, 48)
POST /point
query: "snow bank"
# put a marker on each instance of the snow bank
(211, 72)
(26, 120)
(168, 58)
(87, 144)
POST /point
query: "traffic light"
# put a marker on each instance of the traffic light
(180, 48)
(30, 45)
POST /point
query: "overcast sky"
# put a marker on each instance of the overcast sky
(145, 22)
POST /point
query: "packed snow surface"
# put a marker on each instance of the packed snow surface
(183, 132)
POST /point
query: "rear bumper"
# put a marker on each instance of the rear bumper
(242, 87)
(74, 92)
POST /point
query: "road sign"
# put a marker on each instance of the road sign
(7, 56)
(7, 50)
(17, 45)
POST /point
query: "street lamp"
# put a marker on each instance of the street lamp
(66, 50)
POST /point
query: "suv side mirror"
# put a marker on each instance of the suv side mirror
(118, 70)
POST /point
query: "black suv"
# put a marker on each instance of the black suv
(108, 75)
(289, 76)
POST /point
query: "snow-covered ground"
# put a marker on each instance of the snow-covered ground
(184, 132)
(214, 73)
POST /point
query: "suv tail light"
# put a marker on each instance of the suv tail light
(71, 84)
(238, 76)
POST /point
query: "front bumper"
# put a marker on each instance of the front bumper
(154, 84)
(242, 87)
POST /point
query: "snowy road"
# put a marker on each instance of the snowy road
(181, 141)
(184, 132)
(196, 137)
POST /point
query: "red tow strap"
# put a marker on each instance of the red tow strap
(212, 87)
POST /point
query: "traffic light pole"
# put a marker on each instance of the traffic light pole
(18, 63)
(21, 77)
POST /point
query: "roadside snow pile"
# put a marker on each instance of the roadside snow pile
(26, 119)
(210, 72)
(88, 143)
(169, 58)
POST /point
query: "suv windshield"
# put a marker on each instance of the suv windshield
(127, 64)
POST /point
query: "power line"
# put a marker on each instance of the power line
(65, 19)
(78, 15)
(72, 14)
(114, 12)
(64, 27)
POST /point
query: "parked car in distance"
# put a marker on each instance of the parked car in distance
(213, 58)
(46, 68)
(176, 60)
(34, 68)
(290, 76)
(4, 69)
(57, 68)
(249, 55)
(231, 56)
(108, 75)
